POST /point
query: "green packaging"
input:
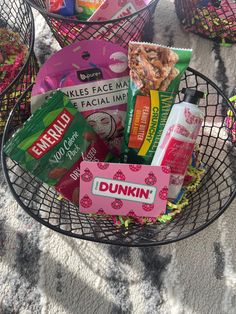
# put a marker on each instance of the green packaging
(86, 8)
(155, 73)
(53, 142)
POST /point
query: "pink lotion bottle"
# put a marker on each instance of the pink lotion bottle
(178, 139)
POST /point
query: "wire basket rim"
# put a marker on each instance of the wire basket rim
(77, 21)
(30, 52)
(94, 239)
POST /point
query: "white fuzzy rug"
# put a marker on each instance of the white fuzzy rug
(44, 272)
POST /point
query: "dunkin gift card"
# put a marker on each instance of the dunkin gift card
(123, 189)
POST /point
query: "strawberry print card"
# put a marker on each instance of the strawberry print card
(123, 189)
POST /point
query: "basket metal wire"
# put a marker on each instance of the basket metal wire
(120, 30)
(17, 17)
(213, 196)
(214, 19)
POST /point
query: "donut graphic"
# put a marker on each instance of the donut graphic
(87, 176)
(135, 168)
(163, 194)
(151, 179)
(131, 213)
(119, 176)
(86, 202)
(148, 207)
(103, 165)
(100, 212)
(117, 204)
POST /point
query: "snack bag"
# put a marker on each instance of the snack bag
(94, 74)
(155, 73)
(85, 8)
(61, 7)
(53, 142)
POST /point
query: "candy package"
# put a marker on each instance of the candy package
(13, 55)
(155, 73)
(61, 7)
(94, 74)
(53, 142)
(110, 10)
(85, 8)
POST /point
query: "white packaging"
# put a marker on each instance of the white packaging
(177, 143)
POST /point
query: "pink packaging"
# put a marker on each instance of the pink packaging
(123, 189)
(94, 75)
(110, 10)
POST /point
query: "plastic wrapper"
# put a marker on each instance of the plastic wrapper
(94, 74)
(53, 142)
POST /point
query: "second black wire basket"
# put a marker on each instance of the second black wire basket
(213, 19)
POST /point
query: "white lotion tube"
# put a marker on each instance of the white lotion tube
(178, 139)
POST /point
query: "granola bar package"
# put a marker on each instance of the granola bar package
(53, 142)
(155, 73)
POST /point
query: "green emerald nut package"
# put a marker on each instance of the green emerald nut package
(155, 74)
(53, 142)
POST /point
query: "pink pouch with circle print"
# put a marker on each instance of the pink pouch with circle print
(94, 75)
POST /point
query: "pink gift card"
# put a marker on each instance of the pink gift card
(123, 189)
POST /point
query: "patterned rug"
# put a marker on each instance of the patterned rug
(44, 272)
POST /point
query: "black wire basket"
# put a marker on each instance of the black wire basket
(16, 16)
(214, 19)
(121, 30)
(214, 194)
